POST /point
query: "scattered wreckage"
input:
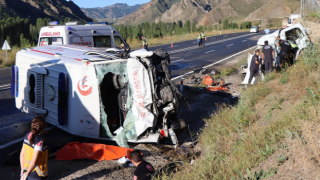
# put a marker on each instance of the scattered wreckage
(296, 33)
(90, 93)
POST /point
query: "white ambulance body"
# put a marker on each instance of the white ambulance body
(91, 35)
(72, 86)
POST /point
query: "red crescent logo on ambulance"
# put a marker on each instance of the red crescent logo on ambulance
(85, 86)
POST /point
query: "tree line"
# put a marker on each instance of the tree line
(160, 29)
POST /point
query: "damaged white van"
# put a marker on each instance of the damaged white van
(90, 93)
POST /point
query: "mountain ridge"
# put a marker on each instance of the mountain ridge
(207, 12)
(53, 9)
(117, 10)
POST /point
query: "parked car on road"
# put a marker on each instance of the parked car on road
(254, 29)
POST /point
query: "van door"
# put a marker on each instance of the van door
(82, 40)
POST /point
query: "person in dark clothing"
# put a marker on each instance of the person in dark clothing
(284, 53)
(268, 56)
(144, 169)
(254, 66)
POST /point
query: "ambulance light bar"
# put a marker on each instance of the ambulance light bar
(92, 23)
(53, 23)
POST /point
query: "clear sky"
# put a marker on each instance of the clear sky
(103, 3)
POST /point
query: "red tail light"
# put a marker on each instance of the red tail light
(309, 37)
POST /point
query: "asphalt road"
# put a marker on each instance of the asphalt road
(185, 57)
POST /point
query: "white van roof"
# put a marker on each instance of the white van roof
(69, 55)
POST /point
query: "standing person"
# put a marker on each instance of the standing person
(144, 169)
(267, 31)
(199, 39)
(294, 49)
(203, 38)
(277, 51)
(254, 66)
(34, 155)
(284, 53)
(144, 43)
(267, 55)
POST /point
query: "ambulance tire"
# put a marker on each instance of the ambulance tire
(117, 81)
(179, 126)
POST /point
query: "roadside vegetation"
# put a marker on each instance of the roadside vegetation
(167, 33)
(274, 115)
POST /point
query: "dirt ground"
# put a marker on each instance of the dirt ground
(202, 102)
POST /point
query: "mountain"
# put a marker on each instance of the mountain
(114, 11)
(53, 9)
(206, 12)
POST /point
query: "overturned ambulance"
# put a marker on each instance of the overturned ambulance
(90, 93)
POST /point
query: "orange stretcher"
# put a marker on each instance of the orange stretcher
(92, 151)
(219, 87)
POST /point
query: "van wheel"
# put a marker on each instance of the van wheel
(179, 126)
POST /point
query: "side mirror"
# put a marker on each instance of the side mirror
(127, 48)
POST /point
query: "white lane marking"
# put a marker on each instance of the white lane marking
(174, 46)
(195, 42)
(5, 89)
(214, 63)
(209, 51)
(207, 44)
(5, 85)
(177, 60)
(230, 45)
(244, 40)
(225, 36)
(18, 140)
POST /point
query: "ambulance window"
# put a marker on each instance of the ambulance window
(51, 41)
(56, 40)
(118, 41)
(44, 41)
(102, 41)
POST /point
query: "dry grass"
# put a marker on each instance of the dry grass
(135, 44)
(11, 57)
(237, 139)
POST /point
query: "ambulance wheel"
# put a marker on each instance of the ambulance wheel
(179, 126)
(117, 81)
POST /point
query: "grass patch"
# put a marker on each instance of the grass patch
(11, 57)
(234, 141)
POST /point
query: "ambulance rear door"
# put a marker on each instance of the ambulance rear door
(53, 35)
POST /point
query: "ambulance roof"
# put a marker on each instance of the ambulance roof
(69, 54)
(83, 27)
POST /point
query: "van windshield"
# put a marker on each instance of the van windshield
(102, 41)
